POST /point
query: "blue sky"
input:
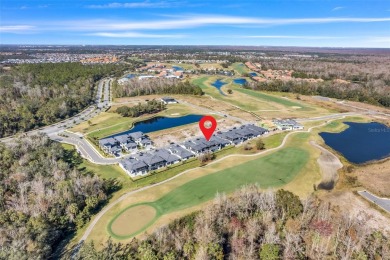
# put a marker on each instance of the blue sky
(330, 23)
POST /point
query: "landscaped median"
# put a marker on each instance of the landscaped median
(273, 170)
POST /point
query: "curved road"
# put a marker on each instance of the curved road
(125, 195)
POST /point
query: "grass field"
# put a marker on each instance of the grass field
(108, 123)
(272, 170)
(236, 99)
(278, 100)
(240, 67)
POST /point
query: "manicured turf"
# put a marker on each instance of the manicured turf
(272, 170)
(278, 100)
(201, 82)
(240, 68)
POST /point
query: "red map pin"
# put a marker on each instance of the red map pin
(207, 125)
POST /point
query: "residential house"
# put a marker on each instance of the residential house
(287, 124)
(153, 161)
(134, 167)
(167, 156)
(108, 144)
(168, 100)
(182, 153)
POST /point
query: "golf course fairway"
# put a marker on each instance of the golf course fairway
(273, 170)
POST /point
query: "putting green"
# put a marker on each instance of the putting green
(272, 170)
(128, 221)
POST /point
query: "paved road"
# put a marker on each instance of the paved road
(85, 149)
(125, 195)
(53, 130)
(326, 117)
(381, 202)
(369, 111)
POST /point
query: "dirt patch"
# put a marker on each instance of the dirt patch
(346, 202)
(179, 134)
(329, 165)
(132, 220)
(375, 177)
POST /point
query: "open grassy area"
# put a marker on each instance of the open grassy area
(272, 170)
(240, 67)
(301, 183)
(108, 123)
(282, 101)
(236, 99)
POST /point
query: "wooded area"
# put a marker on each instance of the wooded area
(332, 89)
(34, 95)
(150, 107)
(43, 197)
(359, 78)
(135, 87)
(255, 225)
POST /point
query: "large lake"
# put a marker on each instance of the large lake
(361, 142)
(161, 123)
(219, 84)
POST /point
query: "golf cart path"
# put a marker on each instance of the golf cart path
(125, 195)
(329, 165)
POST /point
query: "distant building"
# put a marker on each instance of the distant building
(169, 100)
(287, 124)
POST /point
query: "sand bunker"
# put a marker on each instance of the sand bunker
(132, 220)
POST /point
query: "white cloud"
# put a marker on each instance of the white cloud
(16, 28)
(337, 8)
(199, 21)
(291, 37)
(144, 4)
(135, 35)
(379, 40)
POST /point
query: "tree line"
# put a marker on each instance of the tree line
(150, 107)
(34, 95)
(332, 89)
(136, 87)
(44, 197)
(255, 225)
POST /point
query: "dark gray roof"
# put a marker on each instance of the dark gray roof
(109, 141)
(219, 140)
(131, 145)
(145, 141)
(132, 165)
(150, 159)
(180, 151)
(287, 122)
(116, 149)
(136, 135)
(122, 138)
(168, 99)
(167, 156)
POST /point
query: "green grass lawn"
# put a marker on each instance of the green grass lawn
(278, 100)
(275, 140)
(240, 67)
(272, 170)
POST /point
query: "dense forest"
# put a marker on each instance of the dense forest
(150, 107)
(135, 87)
(43, 197)
(332, 89)
(34, 95)
(255, 225)
(363, 78)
